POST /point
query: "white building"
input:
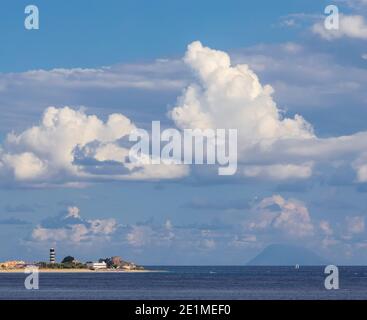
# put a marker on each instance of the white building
(97, 265)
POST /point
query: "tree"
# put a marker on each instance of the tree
(68, 259)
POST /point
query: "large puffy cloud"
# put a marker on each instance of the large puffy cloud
(48, 148)
(233, 97)
(48, 152)
(270, 145)
(352, 26)
(69, 146)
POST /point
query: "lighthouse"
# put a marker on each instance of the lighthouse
(52, 255)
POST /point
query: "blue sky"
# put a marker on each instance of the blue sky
(95, 33)
(100, 58)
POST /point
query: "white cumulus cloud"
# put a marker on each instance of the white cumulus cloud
(73, 228)
(71, 147)
(48, 152)
(232, 97)
(289, 216)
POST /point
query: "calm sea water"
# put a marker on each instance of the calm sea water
(192, 283)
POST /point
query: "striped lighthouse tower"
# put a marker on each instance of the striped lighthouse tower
(52, 255)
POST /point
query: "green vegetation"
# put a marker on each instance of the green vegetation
(68, 262)
(68, 259)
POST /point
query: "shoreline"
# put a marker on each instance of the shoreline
(78, 271)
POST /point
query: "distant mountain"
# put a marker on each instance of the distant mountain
(286, 255)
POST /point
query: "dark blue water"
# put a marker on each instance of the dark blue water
(192, 283)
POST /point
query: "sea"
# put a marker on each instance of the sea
(191, 282)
